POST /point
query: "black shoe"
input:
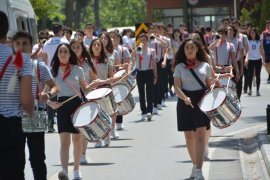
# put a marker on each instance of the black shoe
(51, 130)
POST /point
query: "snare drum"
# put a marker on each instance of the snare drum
(220, 107)
(37, 123)
(92, 121)
(123, 98)
(104, 97)
(129, 81)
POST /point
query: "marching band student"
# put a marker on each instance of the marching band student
(14, 100)
(255, 59)
(69, 77)
(124, 56)
(89, 37)
(113, 56)
(126, 34)
(104, 72)
(156, 43)
(265, 38)
(22, 41)
(224, 54)
(67, 33)
(236, 24)
(90, 74)
(238, 44)
(48, 52)
(190, 118)
(146, 75)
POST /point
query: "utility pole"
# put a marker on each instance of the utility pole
(185, 14)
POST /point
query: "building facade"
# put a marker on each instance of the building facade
(199, 12)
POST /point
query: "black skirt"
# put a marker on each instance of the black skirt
(188, 118)
(64, 113)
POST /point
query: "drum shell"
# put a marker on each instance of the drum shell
(107, 103)
(98, 128)
(126, 106)
(38, 122)
(129, 81)
(226, 114)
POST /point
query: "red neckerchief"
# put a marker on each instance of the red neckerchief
(97, 58)
(67, 70)
(190, 63)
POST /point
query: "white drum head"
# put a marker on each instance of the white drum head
(212, 99)
(119, 73)
(98, 93)
(85, 114)
(120, 92)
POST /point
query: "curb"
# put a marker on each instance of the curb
(264, 145)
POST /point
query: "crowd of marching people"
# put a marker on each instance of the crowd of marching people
(63, 71)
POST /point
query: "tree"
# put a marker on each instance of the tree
(69, 12)
(265, 15)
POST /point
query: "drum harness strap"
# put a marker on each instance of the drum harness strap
(69, 84)
(198, 79)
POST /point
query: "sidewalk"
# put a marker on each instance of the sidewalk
(264, 144)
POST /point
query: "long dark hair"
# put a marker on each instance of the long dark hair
(180, 56)
(257, 36)
(56, 62)
(103, 57)
(84, 54)
(109, 46)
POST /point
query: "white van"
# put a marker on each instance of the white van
(21, 16)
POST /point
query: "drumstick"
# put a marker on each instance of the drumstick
(213, 85)
(183, 95)
(119, 65)
(69, 99)
(228, 81)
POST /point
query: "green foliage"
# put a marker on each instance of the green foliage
(265, 15)
(245, 15)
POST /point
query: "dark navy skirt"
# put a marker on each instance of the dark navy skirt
(188, 118)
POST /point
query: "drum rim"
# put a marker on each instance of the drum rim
(216, 107)
(99, 97)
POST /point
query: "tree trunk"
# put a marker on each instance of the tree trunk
(69, 13)
(96, 10)
(77, 16)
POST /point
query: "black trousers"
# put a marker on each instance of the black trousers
(36, 146)
(170, 75)
(145, 80)
(239, 84)
(11, 147)
(257, 66)
(119, 119)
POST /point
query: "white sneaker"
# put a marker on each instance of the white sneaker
(144, 116)
(120, 126)
(114, 134)
(163, 104)
(258, 93)
(159, 107)
(63, 175)
(83, 159)
(155, 111)
(98, 144)
(199, 175)
(77, 175)
(107, 141)
(193, 172)
(149, 116)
